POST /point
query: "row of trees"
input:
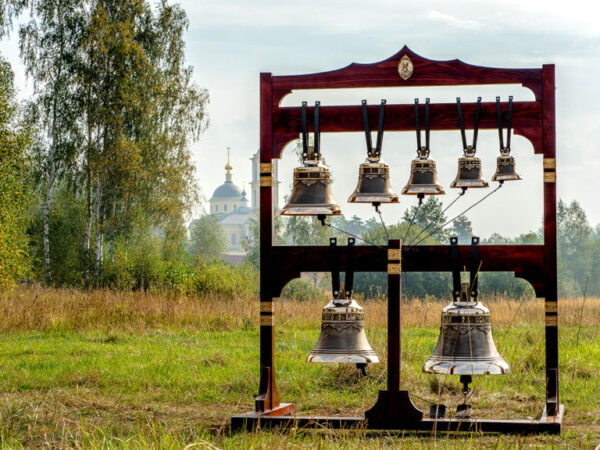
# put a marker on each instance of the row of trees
(108, 129)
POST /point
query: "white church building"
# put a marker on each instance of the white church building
(229, 203)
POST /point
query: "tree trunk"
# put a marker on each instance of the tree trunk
(88, 226)
(99, 225)
(46, 214)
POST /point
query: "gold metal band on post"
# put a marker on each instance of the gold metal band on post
(266, 307)
(550, 163)
(549, 177)
(551, 321)
(266, 168)
(394, 269)
(551, 307)
(266, 180)
(266, 320)
(394, 254)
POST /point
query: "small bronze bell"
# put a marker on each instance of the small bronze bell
(505, 167)
(423, 176)
(374, 174)
(311, 194)
(469, 166)
(423, 173)
(469, 171)
(343, 337)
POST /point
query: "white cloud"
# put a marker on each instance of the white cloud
(453, 21)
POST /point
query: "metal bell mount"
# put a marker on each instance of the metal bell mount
(506, 169)
(466, 345)
(374, 174)
(469, 166)
(423, 173)
(311, 194)
(343, 338)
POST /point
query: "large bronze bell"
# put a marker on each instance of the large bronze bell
(343, 337)
(374, 174)
(505, 167)
(311, 194)
(466, 345)
(469, 171)
(423, 176)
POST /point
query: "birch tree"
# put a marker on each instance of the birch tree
(49, 45)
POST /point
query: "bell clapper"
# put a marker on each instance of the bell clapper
(363, 368)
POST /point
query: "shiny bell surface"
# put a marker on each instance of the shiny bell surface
(373, 184)
(423, 176)
(506, 169)
(469, 172)
(466, 345)
(311, 195)
(343, 338)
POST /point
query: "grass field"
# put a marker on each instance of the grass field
(106, 369)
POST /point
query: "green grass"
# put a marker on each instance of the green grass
(170, 388)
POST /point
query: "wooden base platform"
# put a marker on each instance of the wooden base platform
(547, 424)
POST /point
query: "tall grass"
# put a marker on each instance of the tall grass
(42, 309)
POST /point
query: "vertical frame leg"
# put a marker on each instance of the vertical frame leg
(550, 270)
(393, 404)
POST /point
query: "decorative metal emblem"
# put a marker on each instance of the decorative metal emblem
(405, 67)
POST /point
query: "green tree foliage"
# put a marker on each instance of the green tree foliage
(115, 110)
(575, 248)
(207, 238)
(463, 229)
(428, 217)
(14, 196)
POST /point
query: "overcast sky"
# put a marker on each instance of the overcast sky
(230, 42)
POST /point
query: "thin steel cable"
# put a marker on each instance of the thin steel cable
(410, 224)
(461, 193)
(456, 217)
(580, 312)
(383, 223)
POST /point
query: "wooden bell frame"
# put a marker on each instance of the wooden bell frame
(534, 120)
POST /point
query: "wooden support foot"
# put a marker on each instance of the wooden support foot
(393, 406)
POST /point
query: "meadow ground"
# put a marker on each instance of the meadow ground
(135, 370)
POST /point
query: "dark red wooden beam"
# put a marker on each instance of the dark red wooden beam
(526, 120)
(526, 261)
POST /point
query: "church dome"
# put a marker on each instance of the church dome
(227, 190)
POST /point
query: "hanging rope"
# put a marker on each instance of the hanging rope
(456, 217)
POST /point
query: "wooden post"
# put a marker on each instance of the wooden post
(393, 404)
(550, 251)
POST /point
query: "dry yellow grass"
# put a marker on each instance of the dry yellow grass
(42, 309)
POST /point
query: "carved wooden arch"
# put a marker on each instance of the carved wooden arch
(527, 115)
